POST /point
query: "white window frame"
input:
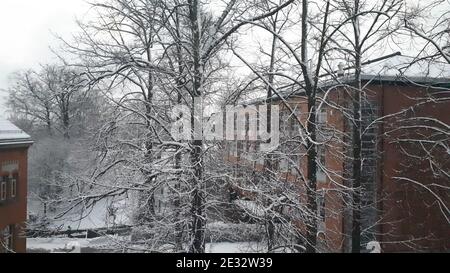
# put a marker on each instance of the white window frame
(13, 187)
(3, 191)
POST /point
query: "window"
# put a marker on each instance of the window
(292, 127)
(321, 210)
(3, 190)
(322, 207)
(13, 187)
(321, 163)
(322, 116)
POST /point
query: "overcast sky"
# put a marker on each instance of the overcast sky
(26, 28)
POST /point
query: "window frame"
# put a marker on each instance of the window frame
(321, 210)
(13, 187)
(3, 190)
(321, 158)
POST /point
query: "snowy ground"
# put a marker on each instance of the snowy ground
(240, 247)
(93, 217)
(112, 244)
(100, 244)
(97, 216)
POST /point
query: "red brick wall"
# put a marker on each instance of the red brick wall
(411, 214)
(406, 211)
(15, 213)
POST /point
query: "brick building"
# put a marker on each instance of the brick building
(14, 144)
(406, 159)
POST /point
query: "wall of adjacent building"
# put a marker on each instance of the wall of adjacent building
(411, 215)
(401, 211)
(15, 212)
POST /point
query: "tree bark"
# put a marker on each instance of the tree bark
(357, 143)
(197, 209)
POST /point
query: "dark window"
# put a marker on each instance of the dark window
(3, 189)
(13, 187)
(8, 188)
(321, 206)
(321, 160)
(292, 124)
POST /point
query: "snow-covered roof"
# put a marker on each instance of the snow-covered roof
(390, 68)
(12, 135)
(408, 67)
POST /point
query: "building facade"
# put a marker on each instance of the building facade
(405, 141)
(14, 144)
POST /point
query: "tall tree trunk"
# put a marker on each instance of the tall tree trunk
(269, 221)
(198, 202)
(311, 185)
(311, 188)
(178, 158)
(149, 157)
(357, 160)
(357, 143)
(149, 206)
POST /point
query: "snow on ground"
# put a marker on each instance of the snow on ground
(237, 247)
(97, 216)
(57, 244)
(51, 244)
(89, 218)
(62, 245)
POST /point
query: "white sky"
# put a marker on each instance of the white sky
(26, 28)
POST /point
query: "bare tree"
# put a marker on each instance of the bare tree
(53, 95)
(432, 34)
(180, 42)
(30, 100)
